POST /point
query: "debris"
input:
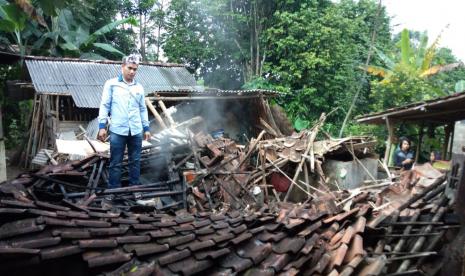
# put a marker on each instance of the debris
(240, 209)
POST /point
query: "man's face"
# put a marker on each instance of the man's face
(129, 71)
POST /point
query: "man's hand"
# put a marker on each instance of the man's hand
(407, 161)
(102, 134)
(147, 135)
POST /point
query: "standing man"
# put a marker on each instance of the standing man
(123, 101)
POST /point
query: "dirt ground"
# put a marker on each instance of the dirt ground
(12, 171)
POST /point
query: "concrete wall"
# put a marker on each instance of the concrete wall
(349, 174)
(459, 137)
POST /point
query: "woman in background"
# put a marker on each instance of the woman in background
(404, 156)
(434, 156)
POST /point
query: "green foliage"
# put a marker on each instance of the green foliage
(13, 21)
(14, 135)
(15, 114)
(17, 126)
(187, 39)
(51, 7)
(223, 42)
(460, 86)
(300, 124)
(316, 50)
(73, 39)
(151, 15)
(65, 32)
(413, 72)
(403, 88)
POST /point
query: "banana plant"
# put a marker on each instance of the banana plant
(414, 61)
(21, 20)
(78, 39)
(74, 39)
(13, 21)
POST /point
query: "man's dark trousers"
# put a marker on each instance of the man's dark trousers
(118, 144)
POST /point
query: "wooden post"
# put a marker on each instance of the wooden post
(2, 151)
(32, 128)
(447, 136)
(264, 173)
(420, 140)
(389, 142)
(269, 115)
(451, 144)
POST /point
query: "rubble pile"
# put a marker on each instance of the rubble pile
(83, 183)
(186, 167)
(344, 233)
(236, 212)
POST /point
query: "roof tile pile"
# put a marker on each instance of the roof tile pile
(309, 239)
(298, 239)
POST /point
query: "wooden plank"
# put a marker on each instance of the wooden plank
(447, 136)
(420, 140)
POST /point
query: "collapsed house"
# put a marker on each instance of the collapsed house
(384, 228)
(66, 95)
(228, 189)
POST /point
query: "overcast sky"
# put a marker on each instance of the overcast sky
(431, 16)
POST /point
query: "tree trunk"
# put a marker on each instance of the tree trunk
(257, 42)
(141, 32)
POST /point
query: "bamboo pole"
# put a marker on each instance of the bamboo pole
(155, 113)
(269, 114)
(251, 149)
(451, 143)
(167, 114)
(307, 150)
(307, 179)
(292, 182)
(419, 243)
(360, 163)
(264, 174)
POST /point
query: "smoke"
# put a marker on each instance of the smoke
(233, 117)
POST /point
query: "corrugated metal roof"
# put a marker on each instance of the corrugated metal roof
(443, 109)
(219, 92)
(84, 80)
(92, 129)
